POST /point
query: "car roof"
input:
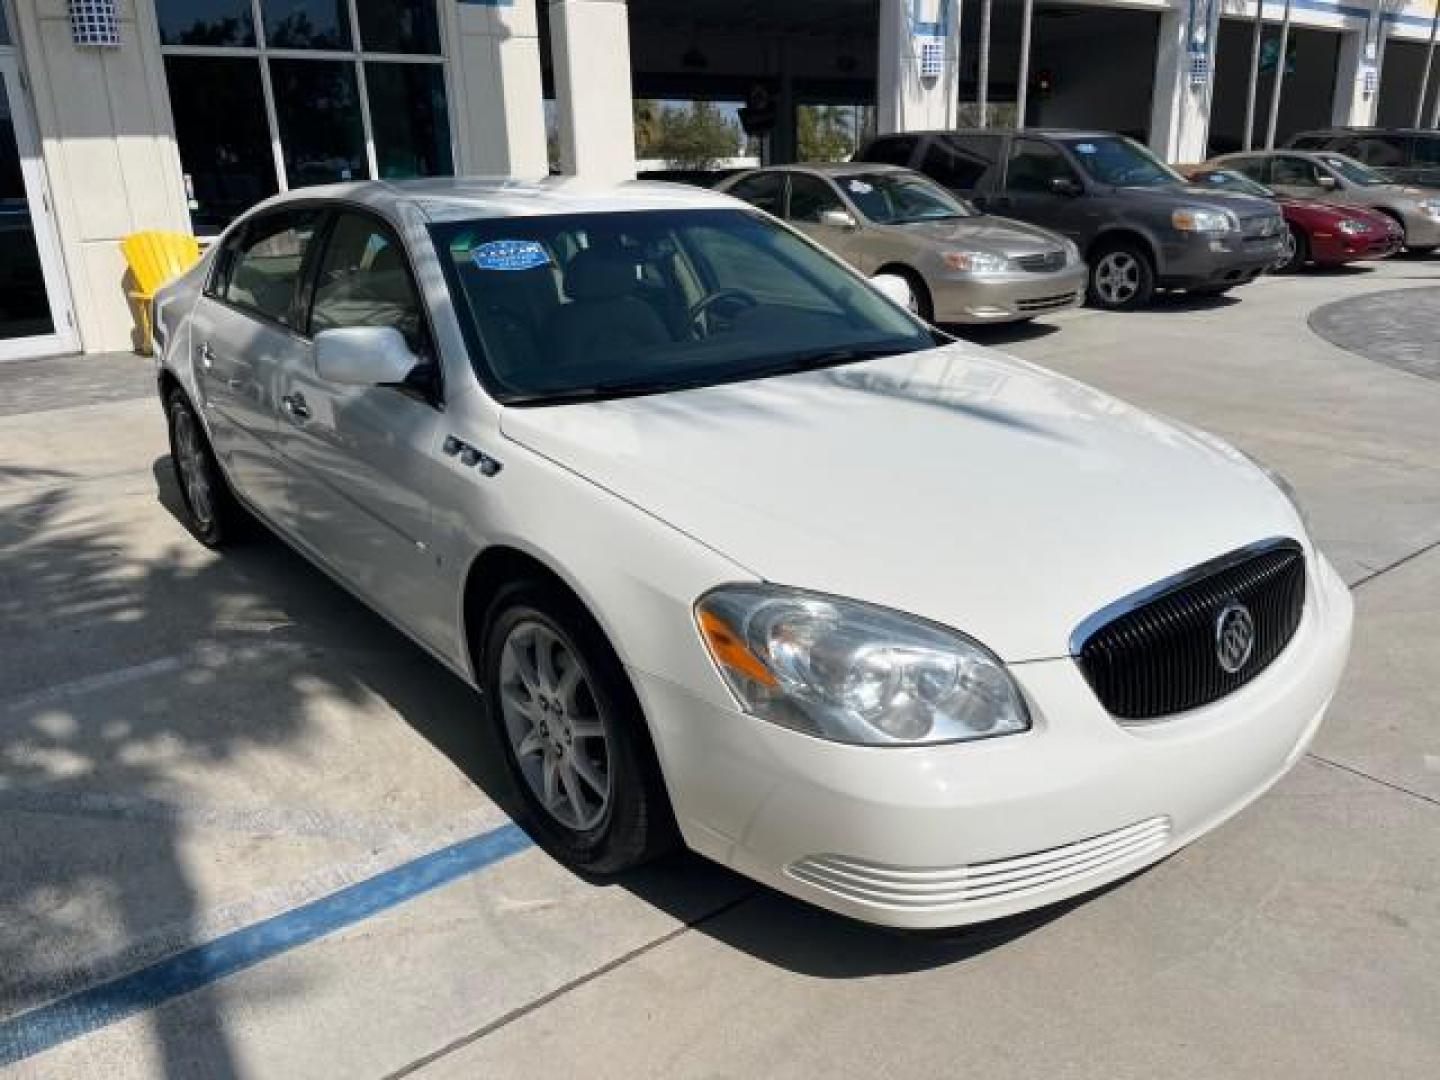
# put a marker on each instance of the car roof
(834, 168)
(459, 198)
(1043, 132)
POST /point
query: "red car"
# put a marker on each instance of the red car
(1321, 233)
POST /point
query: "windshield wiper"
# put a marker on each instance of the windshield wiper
(830, 358)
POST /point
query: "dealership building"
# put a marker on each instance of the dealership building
(124, 115)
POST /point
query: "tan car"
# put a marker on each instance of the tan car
(962, 266)
(1335, 178)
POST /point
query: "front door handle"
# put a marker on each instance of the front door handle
(207, 354)
(295, 405)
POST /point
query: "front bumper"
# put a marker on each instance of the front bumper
(963, 298)
(1192, 261)
(1335, 247)
(948, 835)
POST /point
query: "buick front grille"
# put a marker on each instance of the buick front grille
(1188, 642)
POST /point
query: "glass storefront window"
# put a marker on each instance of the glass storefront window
(399, 26)
(228, 78)
(219, 109)
(410, 120)
(214, 23)
(307, 24)
(321, 134)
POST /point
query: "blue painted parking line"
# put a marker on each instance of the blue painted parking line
(85, 1011)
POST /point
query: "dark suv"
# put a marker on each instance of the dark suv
(1400, 155)
(1140, 224)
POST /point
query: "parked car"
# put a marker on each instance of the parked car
(1138, 224)
(738, 550)
(1319, 233)
(1400, 155)
(962, 266)
(1336, 178)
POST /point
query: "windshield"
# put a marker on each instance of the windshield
(1228, 180)
(1121, 162)
(901, 198)
(581, 306)
(1352, 170)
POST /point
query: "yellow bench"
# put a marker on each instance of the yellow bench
(155, 258)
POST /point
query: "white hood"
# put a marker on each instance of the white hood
(957, 484)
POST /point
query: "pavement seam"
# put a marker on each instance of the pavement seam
(529, 1007)
(1417, 553)
(1363, 775)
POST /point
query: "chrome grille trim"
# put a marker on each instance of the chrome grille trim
(924, 888)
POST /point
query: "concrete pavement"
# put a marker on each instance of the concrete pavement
(191, 745)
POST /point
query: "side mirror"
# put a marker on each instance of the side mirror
(363, 356)
(839, 219)
(1328, 183)
(895, 289)
(1066, 185)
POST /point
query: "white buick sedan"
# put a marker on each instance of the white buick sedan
(740, 554)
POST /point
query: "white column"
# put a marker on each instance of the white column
(906, 99)
(1180, 115)
(1353, 106)
(590, 51)
(499, 106)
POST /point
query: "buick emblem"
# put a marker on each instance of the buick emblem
(1234, 636)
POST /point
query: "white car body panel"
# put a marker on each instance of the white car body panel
(955, 484)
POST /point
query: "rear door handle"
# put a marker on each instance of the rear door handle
(295, 405)
(207, 354)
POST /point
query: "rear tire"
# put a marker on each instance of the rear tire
(573, 733)
(1122, 277)
(212, 512)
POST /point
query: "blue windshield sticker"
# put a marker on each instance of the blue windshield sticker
(510, 255)
(1085, 148)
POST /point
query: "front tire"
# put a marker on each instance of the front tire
(1122, 277)
(211, 511)
(573, 733)
(1299, 253)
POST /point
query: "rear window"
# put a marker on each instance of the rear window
(896, 151)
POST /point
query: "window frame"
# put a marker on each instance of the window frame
(782, 197)
(357, 56)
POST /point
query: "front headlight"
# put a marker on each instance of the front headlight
(1351, 227)
(1198, 219)
(1072, 253)
(975, 262)
(853, 673)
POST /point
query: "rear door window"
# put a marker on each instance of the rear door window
(1295, 172)
(1256, 168)
(1383, 152)
(961, 162)
(264, 271)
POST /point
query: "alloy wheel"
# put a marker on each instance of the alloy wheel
(1117, 277)
(554, 727)
(194, 468)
